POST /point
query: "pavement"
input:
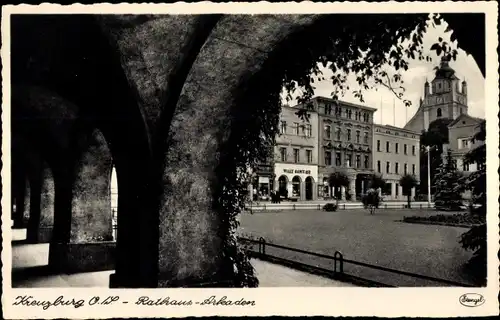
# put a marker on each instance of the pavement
(30, 261)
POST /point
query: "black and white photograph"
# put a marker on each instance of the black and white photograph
(145, 148)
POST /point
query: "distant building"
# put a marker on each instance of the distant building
(396, 152)
(461, 133)
(345, 139)
(443, 98)
(296, 155)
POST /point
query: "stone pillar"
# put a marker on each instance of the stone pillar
(342, 193)
(400, 194)
(27, 200)
(302, 190)
(91, 246)
(352, 187)
(393, 190)
(314, 191)
(413, 191)
(41, 217)
(19, 194)
(363, 186)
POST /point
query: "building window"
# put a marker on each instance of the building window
(365, 138)
(328, 158)
(283, 127)
(378, 145)
(283, 154)
(396, 148)
(349, 113)
(338, 133)
(396, 168)
(439, 112)
(338, 159)
(388, 167)
(413, 149)
(358, 137)
(461, 111)
(296, 127)
(358, 161)
(338, 111)
(309, 156)
(466, 166)
(307, 130)
(412, 169)
(327, 132)
(328, 109)
(405, 149)
(387, 146)
(348, 134)
(463, 143)
(348, 159)
(378, 167)
(296, 155)
(366, 162)
(405, 169)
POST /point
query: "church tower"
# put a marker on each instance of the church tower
(445, 99)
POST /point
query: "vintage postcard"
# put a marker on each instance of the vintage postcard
(250, 159)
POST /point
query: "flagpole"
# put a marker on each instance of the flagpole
(381, 118)
(394, 112)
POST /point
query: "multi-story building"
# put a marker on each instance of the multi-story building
(460, 135)
(296, 155)
(396, 152)
(345, 138)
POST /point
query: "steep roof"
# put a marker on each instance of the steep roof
(462, 117)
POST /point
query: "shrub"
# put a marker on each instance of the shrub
(371, 200)
(330, 207)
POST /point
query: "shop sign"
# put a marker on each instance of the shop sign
(297, 171)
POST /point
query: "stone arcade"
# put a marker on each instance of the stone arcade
(152, 96)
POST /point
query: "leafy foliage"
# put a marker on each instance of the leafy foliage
(376, 181)
(375, 49)
(475, 238)
(448, 185)
(458, 219)
(371, 200)
(434, 137)
(407, 182)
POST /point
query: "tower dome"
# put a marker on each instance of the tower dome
(445, 71)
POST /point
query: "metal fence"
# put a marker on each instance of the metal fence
(341, 206)
(337, 265)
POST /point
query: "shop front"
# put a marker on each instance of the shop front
(295, 181)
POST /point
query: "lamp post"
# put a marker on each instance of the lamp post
(428, 148)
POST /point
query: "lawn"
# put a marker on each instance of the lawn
(379, 239)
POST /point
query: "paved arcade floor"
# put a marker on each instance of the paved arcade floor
(28, 258)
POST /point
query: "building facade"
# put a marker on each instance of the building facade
(296, 155)
(443, 98)
(345, 138)
(396, 152)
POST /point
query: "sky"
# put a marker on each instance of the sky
(414, 78)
